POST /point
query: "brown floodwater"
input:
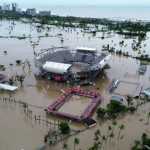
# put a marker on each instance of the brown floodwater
(18, 131)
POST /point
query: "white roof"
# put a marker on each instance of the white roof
(55, 67)
(8, 87)
(86, 48)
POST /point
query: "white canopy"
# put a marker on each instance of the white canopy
(8, 87)
(86, 49)
(55, 67)
(105, 60)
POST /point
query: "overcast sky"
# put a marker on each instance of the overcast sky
(77, 2)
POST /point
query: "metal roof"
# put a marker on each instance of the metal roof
(86, 48)
(147, 91)
(119, 99)
(56, 67)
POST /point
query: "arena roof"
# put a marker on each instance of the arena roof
(86, 49)
(55, 67)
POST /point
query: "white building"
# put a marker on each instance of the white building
(31, 12)
(44, 13)
(19, 10)
(4, 6)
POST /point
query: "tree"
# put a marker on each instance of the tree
(50, 143)
(109, 129)
(111, 136)
(132, 109)
(76, 142)
(103, 139)
(18, 61)
(129, 99)
(10, 81)
(65, 146)
(137, 143)
(114, 123)
(148, 117)
(30, 112)
(97, 132)
(1, 93)
(96, 139)
(101, 112)
(20, 78)
(121, 128)
(11, 66)
(115, 107)
(20, 102)
(64, 127)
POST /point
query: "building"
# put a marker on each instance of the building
(44, 13)
(118, 99)
(8, 7)
(4, 6)
(31, 12)
(14, 7)
(59, 64)
(19, 10)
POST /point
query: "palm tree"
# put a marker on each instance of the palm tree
(20, 78)
(1, 93)
(11, 66)
(148, 117)
(20, 102)
(30, 112)
(18, 61)
(76, 142)
(96, 139)
(121, 128)
(111, 136)
(109, 129)
(95, 146)
(97, 133)
(103, 139)
(10, 97)
(129, 99)
(114, 123)
(50, 143)
(39, 118)
(137, 143)
(65, 146)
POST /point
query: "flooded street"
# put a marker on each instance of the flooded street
(19, 131)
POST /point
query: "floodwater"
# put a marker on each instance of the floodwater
(75, 105)
(18, 131)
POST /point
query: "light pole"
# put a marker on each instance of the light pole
(45, 97)
(55, 89)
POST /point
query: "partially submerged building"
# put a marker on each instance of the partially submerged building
(143, 67)
(71, 65)
(118, 99)
(147, 91)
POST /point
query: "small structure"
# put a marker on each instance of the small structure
(143, 67)
(147, 91)
(143, 63)
(118, 99)
(8, 87)
(138, 90)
